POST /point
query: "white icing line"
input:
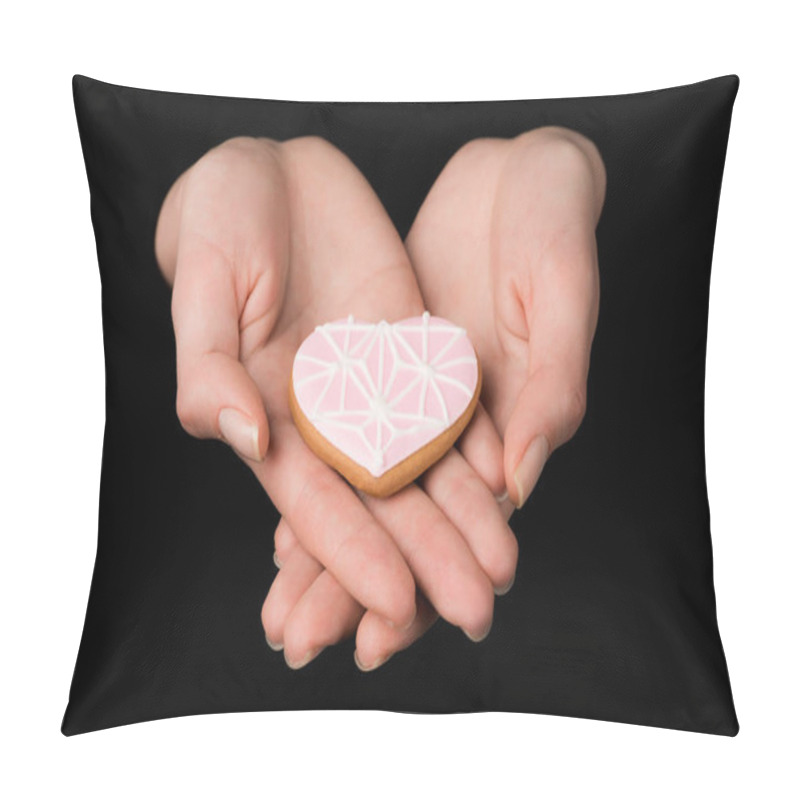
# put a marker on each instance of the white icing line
(457, 362)
(331, 341)
(453, 382)
(409, 349)
(456, 336)
(324, 392)
(308, 378)
(411, 386)
(345, 371)
(438, 393)
(381, 348)
(395, 360)
(403, 356)
(425, 336)
(320, 362)
(365, 394)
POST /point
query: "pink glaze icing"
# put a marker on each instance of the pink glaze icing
(380, 392)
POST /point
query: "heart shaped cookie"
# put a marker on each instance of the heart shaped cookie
(381, 402)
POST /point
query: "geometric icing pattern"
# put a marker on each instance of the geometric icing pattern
(381, 391)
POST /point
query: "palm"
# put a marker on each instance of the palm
(265, 241)
(340, 242)
(505, 242)
(450, 248)
(504, 245)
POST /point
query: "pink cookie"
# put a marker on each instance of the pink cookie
(382, 402)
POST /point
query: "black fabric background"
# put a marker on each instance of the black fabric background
(613, 612)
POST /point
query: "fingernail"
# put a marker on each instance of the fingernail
(364, 668)
(240, 432)
(501, 498)
(505, 589)
(480, 637)
(530, 468)
(309, 656)
(276, 647)
(276, 560)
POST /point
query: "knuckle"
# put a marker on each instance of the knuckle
(468, 495)
(246, 146)
(283, 541)
(479, 149)
(244, 143)
(187, 410)
(437, 544)
(457, 492)
(349, 547)
(316, 492)
(405, 601)
(496, 477)
(562, 152)
(467, 498)
(559, 144)
(234, 158)
(574, 405)
(269, 287)
(354, 548)
(399, 589)
(471, 488)
(313, 141)
(312, 146)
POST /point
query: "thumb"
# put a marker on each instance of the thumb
(218, 399)
(216, 396)
(547, 205)
(548, 412)
(226, 208)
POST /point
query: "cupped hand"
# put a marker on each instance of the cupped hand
(504, 245)
(263, 241)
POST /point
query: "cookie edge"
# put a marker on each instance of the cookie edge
(401, 474)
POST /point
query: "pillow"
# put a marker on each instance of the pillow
(613, 613)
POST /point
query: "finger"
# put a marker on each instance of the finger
(507, 507)
(376, 642)
(471, 507)
(335, 527)
(440, 560)
(546, 208)
(226, 227)
(285, 541)
(483, 451)
(216, 397)
(547, 413)
(295, 577)
(482, 448)
(344, 222)
(552, 402)
(323, 616)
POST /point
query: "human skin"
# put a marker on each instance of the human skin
(504, 244)
(262, 241)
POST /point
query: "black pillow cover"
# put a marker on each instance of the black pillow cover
(613, 613)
